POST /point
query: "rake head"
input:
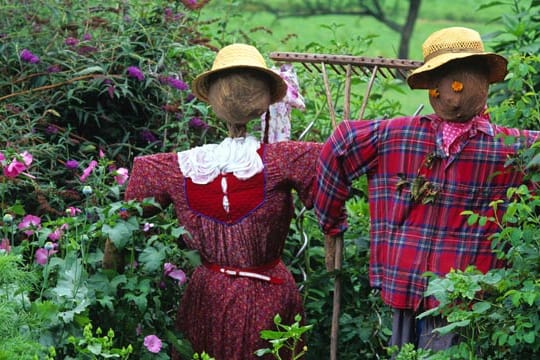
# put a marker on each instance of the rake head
(385, 66)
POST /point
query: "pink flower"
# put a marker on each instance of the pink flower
(173, 272)
(57, 233)
(42, 255)
(101, 154)
(29, 223)
(2, 157)
(122, 174)
(14, 169)
(73, 211)
(152, 343)
(27, 158)
(4, 245)
(88, 170)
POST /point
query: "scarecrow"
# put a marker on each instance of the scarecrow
(235, 200)
(422, 172)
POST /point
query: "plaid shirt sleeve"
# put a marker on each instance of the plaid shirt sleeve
(350, 152)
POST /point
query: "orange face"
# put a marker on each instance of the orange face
(459, 91)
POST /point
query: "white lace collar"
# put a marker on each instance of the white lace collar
(234, 155)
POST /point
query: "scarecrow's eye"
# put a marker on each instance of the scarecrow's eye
(457, 86)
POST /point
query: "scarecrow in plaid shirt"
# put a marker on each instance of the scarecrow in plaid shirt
(422, 172)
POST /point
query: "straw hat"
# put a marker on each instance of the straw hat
(237, 56)
(451, 44)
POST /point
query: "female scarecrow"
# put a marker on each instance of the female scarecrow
(235, 200)
(423, 171)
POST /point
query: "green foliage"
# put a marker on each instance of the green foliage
(287, 337)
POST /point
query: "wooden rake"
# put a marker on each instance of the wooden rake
(348, 65)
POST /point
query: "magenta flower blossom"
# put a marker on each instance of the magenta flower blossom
(87, 37)
(42, 254)
(57, 233)
(29, 223)
(14, 169)
(4, 245)
(27, 56)
(88, 170)
(71, 41)
(122, 174)
(2, 157)
(135, 72)
(73, 211)
(152, 343)
(72, 164)
(173, 272)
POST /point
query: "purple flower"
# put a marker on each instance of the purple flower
(148, 136)
(29, 223)
(152, 343)
(71, 41)
(27, 56)
(87, 37)
(83, 50)
(51, 129)
(110, 91)
(197, 123)
(54, 68)
(177, 83)
(189, 97)
(72, 164)
(135, 72)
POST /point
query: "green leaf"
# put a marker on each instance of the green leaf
(451, 327)
(151, 259)
(481, 307)
(90, 70)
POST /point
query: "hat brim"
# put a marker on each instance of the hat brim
(200, 85)
(419, 77)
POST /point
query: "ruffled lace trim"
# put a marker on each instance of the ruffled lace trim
(238, 156)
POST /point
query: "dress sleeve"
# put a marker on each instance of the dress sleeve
(147, 180)
(300, 163)
(351, 151)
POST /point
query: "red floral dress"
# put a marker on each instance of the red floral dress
(238, 220)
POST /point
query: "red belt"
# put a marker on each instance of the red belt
(251, 272)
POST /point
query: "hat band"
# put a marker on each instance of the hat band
(471, 47)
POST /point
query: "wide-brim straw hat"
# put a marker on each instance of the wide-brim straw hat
(239, 56)
(455, 43)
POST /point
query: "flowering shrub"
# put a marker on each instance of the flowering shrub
(110, 87)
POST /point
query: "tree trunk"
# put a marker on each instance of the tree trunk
(414, 7)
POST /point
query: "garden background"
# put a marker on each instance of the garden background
(85, 87)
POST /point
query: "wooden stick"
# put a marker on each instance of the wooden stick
(328, 96)
(336, 304)
(368, 91)
(347, 99)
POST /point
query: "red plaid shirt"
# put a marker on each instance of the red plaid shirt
(411, 236)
